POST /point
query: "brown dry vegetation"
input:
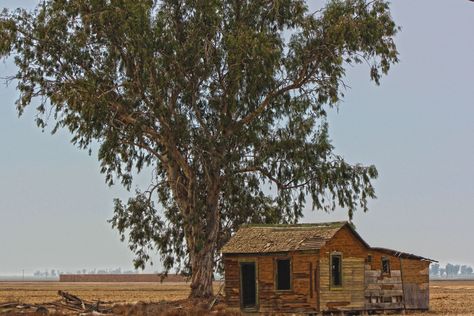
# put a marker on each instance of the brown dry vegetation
(447, 297)
(452, 297)
(40, 292)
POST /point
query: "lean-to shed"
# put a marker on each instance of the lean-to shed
(317, 268)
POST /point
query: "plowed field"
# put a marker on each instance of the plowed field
(446, 297)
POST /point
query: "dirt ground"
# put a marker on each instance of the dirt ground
(446, 297)
(40, 292)
(451, 297)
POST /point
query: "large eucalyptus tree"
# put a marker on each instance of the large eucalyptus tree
(224, 100)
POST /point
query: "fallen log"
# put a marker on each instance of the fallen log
(7, 305)
(71, 298)
(78, 304)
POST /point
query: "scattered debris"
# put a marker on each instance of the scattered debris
(216, 297)
(8, 305)
(75, 303)
(69, 304)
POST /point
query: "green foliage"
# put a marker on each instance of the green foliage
(224, 100)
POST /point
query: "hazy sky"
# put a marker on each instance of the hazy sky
(417, 128)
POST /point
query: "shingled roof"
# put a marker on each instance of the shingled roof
(283, 238)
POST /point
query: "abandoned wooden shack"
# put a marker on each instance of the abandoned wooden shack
(319, 268)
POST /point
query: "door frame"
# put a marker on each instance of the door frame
(255, 263)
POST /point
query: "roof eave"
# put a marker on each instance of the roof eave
(401, 254)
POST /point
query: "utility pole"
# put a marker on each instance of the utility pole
(23, 274)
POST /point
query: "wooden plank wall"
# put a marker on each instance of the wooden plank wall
(232, 281)
(351, 295)
(298, 299)
(376, 263)
(354, 253)
(383, 291)
(387, 291)
(416, 283)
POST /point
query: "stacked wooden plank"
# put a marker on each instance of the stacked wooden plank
(383, 291)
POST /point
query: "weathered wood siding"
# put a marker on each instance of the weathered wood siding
(364, 286)
(406, 286)
(351, 295)
(232, 281)
(382, 290)
(416, 283)
(299, 299)
(376, 263)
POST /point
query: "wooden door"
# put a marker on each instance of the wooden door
(248, 288)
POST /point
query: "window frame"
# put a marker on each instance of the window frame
(331, 279)
(386, 259)
(290, 274)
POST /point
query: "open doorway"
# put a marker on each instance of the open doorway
(248, 288)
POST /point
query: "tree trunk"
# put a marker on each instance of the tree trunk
(201, 232)
(202, 256)
(202, 265)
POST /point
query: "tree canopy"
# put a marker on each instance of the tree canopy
(225, 101)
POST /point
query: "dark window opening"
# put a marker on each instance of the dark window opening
(387, 299)
(248, 287)
(336, 270)
(369, 259)
(385, 265)
(283, 274)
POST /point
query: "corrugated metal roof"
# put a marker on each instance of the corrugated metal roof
(281, 238)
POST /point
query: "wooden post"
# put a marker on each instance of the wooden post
(318, 284)
(403, 285)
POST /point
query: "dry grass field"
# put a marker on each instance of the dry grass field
(447, 297)
(452, 297)
(40, 292)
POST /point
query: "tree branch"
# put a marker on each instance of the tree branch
(302, 79)
(280, 185)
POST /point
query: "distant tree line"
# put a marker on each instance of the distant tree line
(47, 273)
(54, 273)
(451, 271)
